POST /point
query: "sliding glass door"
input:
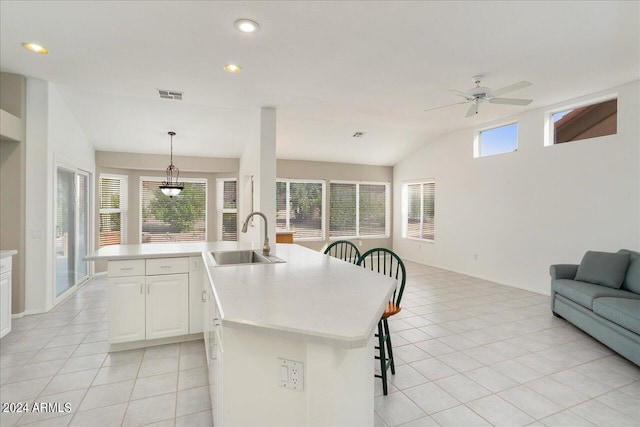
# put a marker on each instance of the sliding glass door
(72, 227)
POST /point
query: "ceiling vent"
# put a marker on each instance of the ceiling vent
(170, 94)
(359, 134)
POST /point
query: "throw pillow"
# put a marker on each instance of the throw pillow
(632, 278)
(603, 268)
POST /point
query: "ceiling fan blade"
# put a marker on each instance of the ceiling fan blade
(445, 106)
(473, 110)
(510, 88)
(510, 101)
(461, 93)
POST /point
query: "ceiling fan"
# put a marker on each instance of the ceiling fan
(479, 94)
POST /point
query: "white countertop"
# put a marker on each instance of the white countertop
(7, 253)
(162, 250)
(312, 296)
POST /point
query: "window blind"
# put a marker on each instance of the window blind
(372, 209)
(358, 209)
(227, 209)
(112, 196)
(299, 208)
(167, 219)
(420, 221)
(342, 210)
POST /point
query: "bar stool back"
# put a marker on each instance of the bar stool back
(385, 261)
(344, 250)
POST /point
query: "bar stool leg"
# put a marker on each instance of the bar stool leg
(389, 349)
(383, 361)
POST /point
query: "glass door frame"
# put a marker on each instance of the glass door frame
(89, 174)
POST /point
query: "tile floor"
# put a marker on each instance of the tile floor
(468, 353)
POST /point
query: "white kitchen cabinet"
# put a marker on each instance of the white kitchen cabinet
(6, 261)
(197, 295)
(127, 302)
(167, 306)
(153, 298)
(5, 303)
(215, 352)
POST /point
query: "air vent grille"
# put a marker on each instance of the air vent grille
(170, 94)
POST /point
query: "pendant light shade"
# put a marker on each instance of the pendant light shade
(171, 187)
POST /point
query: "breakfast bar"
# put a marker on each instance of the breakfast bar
(288, 340)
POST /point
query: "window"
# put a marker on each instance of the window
(584, 122)
(300, 208)
(359, 209)
(167, 219)
(112, 191)
(419, 210)
(498, 140)
(227, 192)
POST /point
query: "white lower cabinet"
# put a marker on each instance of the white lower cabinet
(151, 299)
(167, 306)
(127, 304)
(5, 295)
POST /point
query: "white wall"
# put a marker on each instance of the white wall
(522, 211)
(53, 134)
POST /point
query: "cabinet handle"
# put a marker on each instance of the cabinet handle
(126, 268)
(204, 296)
(165, 266)
(149, 288)
(141, 290)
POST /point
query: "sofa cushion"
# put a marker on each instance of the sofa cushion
(603, 268)
(632, 279)
(621, 311)
(584, 293)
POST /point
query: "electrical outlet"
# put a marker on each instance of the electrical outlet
(291, 374)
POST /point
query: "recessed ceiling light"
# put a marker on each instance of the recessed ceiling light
(35, 48)
(232, 68)
(247, 25)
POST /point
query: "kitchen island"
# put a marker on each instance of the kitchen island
(287, 343)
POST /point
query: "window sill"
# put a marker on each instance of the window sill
(382, 236)
(415, 239)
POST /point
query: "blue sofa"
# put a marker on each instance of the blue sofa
(602, 297)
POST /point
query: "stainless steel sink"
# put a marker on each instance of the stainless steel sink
(242, 257)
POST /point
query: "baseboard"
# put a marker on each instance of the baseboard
(454, 270)
(152, 343)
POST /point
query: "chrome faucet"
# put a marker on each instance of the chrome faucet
(265, 248)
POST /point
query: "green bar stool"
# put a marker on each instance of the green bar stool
(344, 250)
(388, 263)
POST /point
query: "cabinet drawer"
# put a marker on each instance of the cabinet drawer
(126, 268)
(5, 264)
(167, 266)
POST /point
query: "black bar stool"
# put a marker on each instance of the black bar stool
(386, 262)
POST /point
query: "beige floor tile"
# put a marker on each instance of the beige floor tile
(110, 416)
(149, 410)
(193, 400)
(155, 385)
(107, 395)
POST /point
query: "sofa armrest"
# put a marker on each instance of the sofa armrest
(563, 271)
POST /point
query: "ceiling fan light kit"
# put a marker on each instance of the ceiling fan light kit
(480, 94)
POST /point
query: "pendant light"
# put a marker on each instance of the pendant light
(171, 187)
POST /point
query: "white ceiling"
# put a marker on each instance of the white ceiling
(330, 68)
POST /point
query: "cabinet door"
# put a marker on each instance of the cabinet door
(167, 305)
(126, 309)
(197, 300)
(5, 303)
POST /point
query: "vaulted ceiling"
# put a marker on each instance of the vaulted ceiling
(330, 68)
